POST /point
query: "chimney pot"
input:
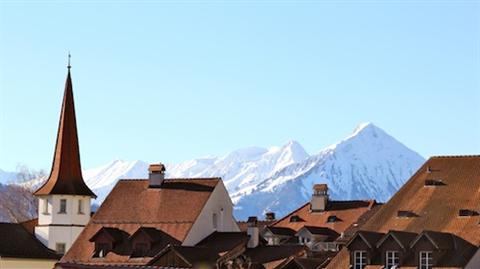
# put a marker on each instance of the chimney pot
(156, 175)
(319, 197)
(253, 232)
(270, 216)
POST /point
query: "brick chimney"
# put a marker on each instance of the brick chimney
(253, 232)
(319, 198)
(156, 175)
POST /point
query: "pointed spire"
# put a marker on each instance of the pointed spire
(66, 174)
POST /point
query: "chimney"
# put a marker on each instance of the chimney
(252, 232)
(270, 216)
(319, 198)
(156, 175)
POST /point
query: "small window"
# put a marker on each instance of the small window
(467, 213)
(406, 214)
(331, 219)
(426, 260)
(45, 206)
(434, 182)
(359, 259)
(60, 248)
(63, 206)
(295, 218)
(215, 220)
(392, 259)
(80, 207)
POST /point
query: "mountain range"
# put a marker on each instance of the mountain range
(367, 164)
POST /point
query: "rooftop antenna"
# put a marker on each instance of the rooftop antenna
(69, 56)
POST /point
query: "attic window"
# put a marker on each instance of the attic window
(295, 218)
(406, 214)
(467, 213)
(332, 218)
(434, 182)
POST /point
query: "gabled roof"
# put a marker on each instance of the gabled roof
(17, 242)
(440, 240)
(223, 241)
(190, 255)
(66, 174)
(153, 234)
(113, 234)
(348, 211)
(265, 254)
(280, 231)
(402, 238)
(331, 234)
(171, 209)
(370, 238)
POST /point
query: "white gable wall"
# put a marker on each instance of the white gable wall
(203, 226)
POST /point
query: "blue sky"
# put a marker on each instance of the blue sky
(166, 81)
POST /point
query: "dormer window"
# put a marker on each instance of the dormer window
(105, 241)
(63, 206)
(143, 240)
(295, 218)
(406, 214)
(434, 182)
(426, 260)
(467, 213)
(359, 259)
(332, 219)
(392, 259)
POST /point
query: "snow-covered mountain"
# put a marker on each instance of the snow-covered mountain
(367, 164)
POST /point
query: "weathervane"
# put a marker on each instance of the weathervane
(69, 56)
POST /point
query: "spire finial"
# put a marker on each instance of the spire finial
(69, 56)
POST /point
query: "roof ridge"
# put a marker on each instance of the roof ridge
(170, 179)
(456, 156)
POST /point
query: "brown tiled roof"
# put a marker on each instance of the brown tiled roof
(260, 223)
(171, 209)
(66, 174)
(436, 207)
(332, 235)
(223, 241)
(191, 255)
(17, 242)
(281, 230)
(346, 211)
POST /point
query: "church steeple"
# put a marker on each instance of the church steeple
(66, 174)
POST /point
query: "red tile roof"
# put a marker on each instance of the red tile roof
(435, 208)
(171, 209)
(348, 212)
(66, 174)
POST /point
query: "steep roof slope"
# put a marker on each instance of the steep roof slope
(434, 208)
(66, 174)
(17, 242)
(172, 209)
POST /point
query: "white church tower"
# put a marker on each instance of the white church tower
(64, 199)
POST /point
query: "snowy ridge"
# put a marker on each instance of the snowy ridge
(368, 164)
